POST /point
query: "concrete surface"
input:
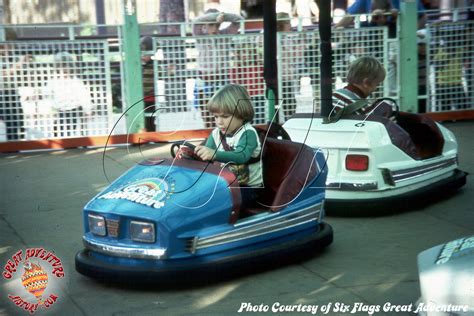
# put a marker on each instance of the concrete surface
(372, 260)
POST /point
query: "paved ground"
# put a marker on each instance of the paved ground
(372, 260)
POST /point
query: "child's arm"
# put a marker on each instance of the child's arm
(242, 152)
(240, 155)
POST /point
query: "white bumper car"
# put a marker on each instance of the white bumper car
(375, 165)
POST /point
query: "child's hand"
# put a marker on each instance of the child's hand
(205, 153)
(394, 13)
(220, 18)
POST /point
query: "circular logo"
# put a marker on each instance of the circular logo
(32, 274)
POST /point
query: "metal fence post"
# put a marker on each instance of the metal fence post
(2, 21)
(270, 71)
(132, 68)
(408, 57)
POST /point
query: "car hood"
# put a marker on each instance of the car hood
(167, 189)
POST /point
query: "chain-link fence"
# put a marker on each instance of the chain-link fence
(54, 89)
(299, 72)
(184, 72)
(448, 62)
(188, 71)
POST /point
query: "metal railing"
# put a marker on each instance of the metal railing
(189, 70)
(55, 89)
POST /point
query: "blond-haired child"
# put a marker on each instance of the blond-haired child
(363, 77)
(234, 141)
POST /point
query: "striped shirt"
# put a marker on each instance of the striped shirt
(244, 145)
(345, 96)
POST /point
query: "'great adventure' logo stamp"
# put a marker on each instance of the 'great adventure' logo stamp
(151, 192)
(33, 270)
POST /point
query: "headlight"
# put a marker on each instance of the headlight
(97, 225)
(142, 231)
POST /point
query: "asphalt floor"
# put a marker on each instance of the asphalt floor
(372, 261)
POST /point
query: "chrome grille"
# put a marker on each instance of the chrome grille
(112, 227)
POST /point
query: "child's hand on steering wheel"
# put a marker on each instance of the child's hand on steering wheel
(203, 152)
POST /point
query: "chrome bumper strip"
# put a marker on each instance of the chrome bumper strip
(310, 214)
(346, 186)
(127, 252)
(407, 174)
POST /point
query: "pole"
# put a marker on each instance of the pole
(2, 21)
(270, 70)
(132, 68)
(100, 16)
(325, 66)
(408, 57)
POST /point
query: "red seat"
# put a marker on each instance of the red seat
(424, 132)
(287, 168)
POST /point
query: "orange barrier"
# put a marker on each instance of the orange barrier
(148, 137)
(92, 141)
(452, 115)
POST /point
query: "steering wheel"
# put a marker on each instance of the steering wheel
(183, 149)
(386, 107)
(277, 131)
(273, 130)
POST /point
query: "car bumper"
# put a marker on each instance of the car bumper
(396, 203)
(187, 270)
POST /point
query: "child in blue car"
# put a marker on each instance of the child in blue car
(234, 141)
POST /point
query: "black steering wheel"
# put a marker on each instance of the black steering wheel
(272, 130)
(183, 149)
(386, 107)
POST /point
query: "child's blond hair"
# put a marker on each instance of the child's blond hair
(232, 99)
(365, 68)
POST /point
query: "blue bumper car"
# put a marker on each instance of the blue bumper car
(182, 219)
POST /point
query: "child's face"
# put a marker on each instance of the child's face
(368, 87)
(286, 26)
(227, 123)
(210, 29)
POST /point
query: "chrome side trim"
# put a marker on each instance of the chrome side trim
(294, 219)
(346, 186)
(127, 252)
(407, 174)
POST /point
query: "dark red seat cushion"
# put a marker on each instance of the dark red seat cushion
(287, 167)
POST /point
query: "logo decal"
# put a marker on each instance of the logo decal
(35, 264)
(456, 248)
(152, 192)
